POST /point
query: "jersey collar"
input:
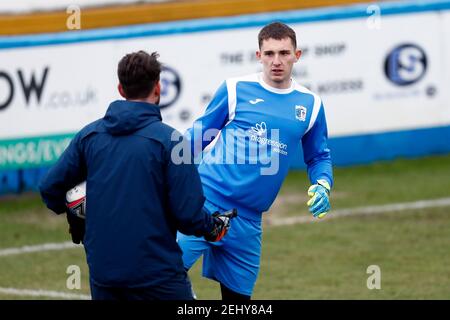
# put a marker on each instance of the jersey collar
(275, 90)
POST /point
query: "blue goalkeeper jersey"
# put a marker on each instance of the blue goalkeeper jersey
(249, 135)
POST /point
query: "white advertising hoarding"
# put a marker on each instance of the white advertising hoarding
(372, 78)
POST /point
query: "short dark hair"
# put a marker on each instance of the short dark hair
(139, 73)
(277, 31)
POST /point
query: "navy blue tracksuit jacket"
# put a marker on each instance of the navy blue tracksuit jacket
(136, 200)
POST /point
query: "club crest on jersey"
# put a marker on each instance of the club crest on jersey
(300, 113)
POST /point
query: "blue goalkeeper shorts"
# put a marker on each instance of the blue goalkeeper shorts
(233, 261)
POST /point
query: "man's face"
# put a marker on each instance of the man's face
(278, 58)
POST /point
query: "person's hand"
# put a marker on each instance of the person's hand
(319, 204)
(221, 225)
(76, 227)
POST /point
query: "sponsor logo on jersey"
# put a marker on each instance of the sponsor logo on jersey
(260, 128)
(258, 134)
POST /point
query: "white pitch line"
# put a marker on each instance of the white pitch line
(43, 293)
(369, 210)
(38, 248)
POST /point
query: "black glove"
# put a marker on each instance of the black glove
(76, 227)
(221, 225)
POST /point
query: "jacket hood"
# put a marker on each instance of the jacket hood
(124, 117)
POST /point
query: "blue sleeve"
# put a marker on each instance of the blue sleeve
(185, 195)
(315, 150)
(213, 120)
(67, 172)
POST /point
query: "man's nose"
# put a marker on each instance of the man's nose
(276, 60)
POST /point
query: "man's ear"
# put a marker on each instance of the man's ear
(258, 55)
(158, 89)
(122, 93)
(155, 95)
(298, 53)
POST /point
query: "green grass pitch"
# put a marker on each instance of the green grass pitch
(322, 260)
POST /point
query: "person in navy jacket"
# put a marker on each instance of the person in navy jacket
(137, 196)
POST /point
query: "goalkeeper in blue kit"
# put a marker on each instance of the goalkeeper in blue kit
(257, 122)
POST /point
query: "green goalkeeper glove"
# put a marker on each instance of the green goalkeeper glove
(319, 204)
